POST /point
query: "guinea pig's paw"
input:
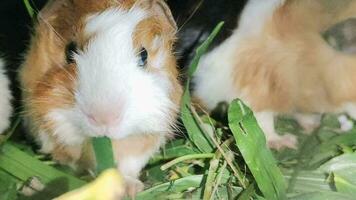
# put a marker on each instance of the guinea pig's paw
(32, 186)
(280, 142)
(308, 122)
(133, 186)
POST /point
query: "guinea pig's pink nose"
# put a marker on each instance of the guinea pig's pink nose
(103, 118)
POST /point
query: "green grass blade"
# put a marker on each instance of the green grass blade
(211, 176)
(29, 8)
(195, 134)
(173, 152)
(186, 157)
(103, 153)
(202, 49)
(248, 193)
(252, 144)
(23, 166)
(10, 131)
(177, 186)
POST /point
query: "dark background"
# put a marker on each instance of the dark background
(195, 18)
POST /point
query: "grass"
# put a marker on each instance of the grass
(215, 159)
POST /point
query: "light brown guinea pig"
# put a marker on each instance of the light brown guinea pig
(278, 63)
(102, 68)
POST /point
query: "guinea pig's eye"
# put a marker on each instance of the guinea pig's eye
(143, 58)
(71, 48)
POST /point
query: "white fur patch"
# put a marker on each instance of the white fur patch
(131, 166)
(5, 100)
(157, 42)
(213, 78)
(47, 144)
(255, 15)
(109, 21)
(266, 122)
(160, 58)
(350, 109)
(308, 121)
(345, 123)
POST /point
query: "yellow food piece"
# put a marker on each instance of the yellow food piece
(108, 186)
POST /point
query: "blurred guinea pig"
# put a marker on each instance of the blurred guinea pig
(102, 68)
(278, 62)
(5, 100)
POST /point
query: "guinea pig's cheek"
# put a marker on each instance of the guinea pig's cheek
(161, 82)
(157, 108)
(66, 126)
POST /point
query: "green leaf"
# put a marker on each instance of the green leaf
(343, 169)
(330, 148)
(22, 166)
(308, 181)
(8, 189)
(103, 153)
(252, 144)
(322, 196)
(344, 183)
(195, 133)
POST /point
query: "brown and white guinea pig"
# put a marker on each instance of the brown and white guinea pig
(5, 100)
(102, 68)
(278, 63)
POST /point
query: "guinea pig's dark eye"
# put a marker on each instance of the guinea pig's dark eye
(143, 58)
(71, 48)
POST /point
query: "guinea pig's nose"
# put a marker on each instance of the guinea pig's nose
(103, 118)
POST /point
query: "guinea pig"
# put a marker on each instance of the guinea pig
(5, 100)
(102, 68)
(278, 62)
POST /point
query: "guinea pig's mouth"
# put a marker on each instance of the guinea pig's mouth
(103, 131)
(101, 125)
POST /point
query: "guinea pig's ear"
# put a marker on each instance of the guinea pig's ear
(161, 9)
(51, 9)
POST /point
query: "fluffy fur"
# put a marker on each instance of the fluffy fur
(104, 92)
(5, 100)
(278, 62)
